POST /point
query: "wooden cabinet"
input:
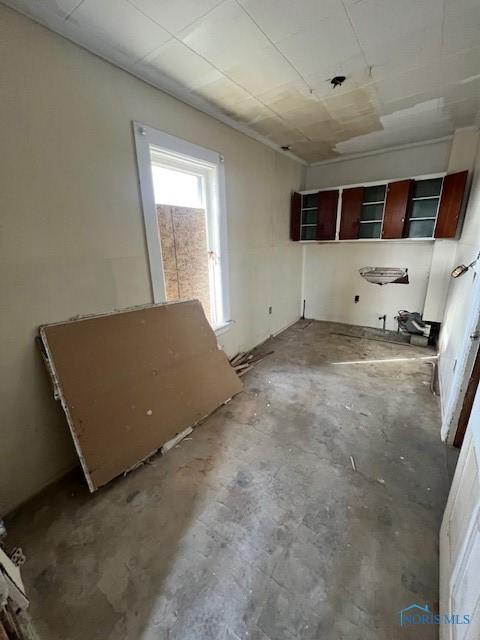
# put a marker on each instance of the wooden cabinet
(327, 215)
(396, 209)
(450, 204)
(295, 216)
(352, 200)
(314, 215)
(421, 209)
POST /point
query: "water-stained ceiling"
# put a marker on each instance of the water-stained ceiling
(412, 67)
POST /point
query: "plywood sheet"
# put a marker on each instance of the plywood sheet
(130, 381)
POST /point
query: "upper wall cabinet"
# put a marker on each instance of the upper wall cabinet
(423, 208)
(396, 208)
(450, 204)
(314, 215)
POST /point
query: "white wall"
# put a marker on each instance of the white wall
(331, 281)
(460, 313)
(331, 270)
(401, 163)
(72, 239)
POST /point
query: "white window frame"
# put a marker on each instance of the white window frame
(210, 166)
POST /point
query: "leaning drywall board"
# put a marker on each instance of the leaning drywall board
(129, 381)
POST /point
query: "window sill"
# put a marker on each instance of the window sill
(223, 328)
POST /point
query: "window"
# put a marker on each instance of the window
(182, 188)
(424, 207)
(371, 213)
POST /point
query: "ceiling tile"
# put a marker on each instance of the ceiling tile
(424, 121)
(322, 48)
(460, 66)
(461, 28)
(345, 106)
(225, 37)
(262, 71)
(46, 9)
(277, 130)
(410, 83)
(182, 64)
(282, 18)
(291, 104)
(250, 110)
(401, 33)
(177, 15)
(223, 93)
(314, 151)
(119, 25)
(355, 70)
(463, 113)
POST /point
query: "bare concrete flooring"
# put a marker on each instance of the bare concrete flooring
(258, 527)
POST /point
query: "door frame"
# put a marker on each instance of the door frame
(468, 400)
(464, 367)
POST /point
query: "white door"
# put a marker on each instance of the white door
(460, 540)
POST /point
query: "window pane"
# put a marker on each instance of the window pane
(309, 200)
(424, 208)
(371, 212)
(421, 228)
(425, 188)
(309, 217)
(374, 194)
(370, 230)
(309, 233)
(176, 187)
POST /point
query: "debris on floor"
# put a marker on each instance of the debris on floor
(130, 381)
(14, 624)
(246, 360)
(174, 441)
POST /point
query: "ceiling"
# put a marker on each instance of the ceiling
(412, 67)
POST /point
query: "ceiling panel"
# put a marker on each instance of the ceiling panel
(174, 16)
(282, 18)
(461, 27)
(225, 37)
(182, 64)
(322, 47)
(46, 9)
(262, 71)
(401, 34)
(120, 25)
(412, 67)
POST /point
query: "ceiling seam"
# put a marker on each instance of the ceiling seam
(73, 10)
(365, 58)
(442, 31)
(274, 46)
(172, 35)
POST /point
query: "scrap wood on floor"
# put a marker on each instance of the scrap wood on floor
(246, 360)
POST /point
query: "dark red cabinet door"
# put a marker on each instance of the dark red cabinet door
(327, 215)
(350, 217)
(450, 204)
(295, 215)
(396, 209)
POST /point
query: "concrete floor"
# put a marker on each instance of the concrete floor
(258, 527)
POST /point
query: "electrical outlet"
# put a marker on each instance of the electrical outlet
(269, 311)
(356, 299)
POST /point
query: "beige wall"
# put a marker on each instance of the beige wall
(421, 159)
(72, 236)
